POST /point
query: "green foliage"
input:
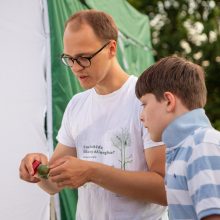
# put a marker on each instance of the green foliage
(189, 28)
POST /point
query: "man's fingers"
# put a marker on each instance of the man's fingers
(64, 184)
(57, 163)
(57, 178)
(56, 171)
(28, 178)
(26, 167)
(44, 160)
(34, 179)
(31, 158)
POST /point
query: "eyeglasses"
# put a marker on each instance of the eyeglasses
(83, 61)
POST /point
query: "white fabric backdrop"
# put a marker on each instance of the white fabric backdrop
(22, 108)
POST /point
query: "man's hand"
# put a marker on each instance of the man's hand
(69, 171)
(26, 170)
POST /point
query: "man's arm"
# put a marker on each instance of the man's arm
(62, 150)
(141, 185)
(146, 186)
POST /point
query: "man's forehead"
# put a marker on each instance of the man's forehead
(85, 33)
(76, 25)
(76, 45)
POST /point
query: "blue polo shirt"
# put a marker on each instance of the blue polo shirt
(192, 167)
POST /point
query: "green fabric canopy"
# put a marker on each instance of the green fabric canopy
(134, 55)
(129, 21)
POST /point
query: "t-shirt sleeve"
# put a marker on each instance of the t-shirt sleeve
(64, 134)
(148, 143)
(203, 179)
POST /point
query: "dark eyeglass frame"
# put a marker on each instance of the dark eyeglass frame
(64, 56)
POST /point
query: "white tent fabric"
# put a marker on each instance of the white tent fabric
(23, 98)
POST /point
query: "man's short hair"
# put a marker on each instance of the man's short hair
(173, 74)
(102, 23)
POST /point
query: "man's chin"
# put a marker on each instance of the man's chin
(84, 86)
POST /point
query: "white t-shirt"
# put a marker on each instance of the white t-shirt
(107, 129)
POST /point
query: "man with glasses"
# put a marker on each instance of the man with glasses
(83, 61)
(103, 149)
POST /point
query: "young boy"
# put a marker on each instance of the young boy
(173, 94)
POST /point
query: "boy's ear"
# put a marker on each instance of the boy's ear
(170, 100)
(113, 48)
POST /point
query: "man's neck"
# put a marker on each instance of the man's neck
(114, 80)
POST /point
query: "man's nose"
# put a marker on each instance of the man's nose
(76, 67)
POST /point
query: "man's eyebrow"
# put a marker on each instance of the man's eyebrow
(78, 55)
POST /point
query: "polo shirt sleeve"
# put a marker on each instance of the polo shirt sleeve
(203, 179)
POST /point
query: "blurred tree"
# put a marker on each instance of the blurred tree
(190, 28)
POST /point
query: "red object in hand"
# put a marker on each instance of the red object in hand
(35, 165)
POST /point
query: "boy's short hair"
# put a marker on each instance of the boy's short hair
(102, 23)
(173, 74)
